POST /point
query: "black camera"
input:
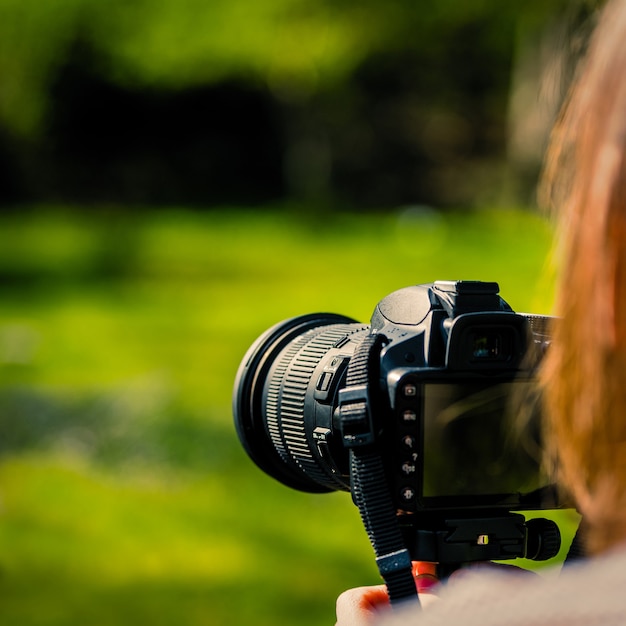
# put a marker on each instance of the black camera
(430, 413)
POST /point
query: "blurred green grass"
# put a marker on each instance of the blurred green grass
(125, 494)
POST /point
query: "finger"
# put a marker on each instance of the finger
(425, 575)
(358, 607)
(424, 567)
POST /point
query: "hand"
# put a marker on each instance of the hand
(361, 606)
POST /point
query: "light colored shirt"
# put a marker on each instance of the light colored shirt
(591, 592)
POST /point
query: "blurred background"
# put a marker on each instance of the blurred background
(175, 177)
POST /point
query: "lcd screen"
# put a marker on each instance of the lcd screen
(480, 440)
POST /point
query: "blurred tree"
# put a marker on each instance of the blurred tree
(380, 101)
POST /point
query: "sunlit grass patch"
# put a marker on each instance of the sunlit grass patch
(126, 496)
(68, 528)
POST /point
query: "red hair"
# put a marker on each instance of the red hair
(585, 370)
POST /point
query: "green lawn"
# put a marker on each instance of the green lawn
(125, 496)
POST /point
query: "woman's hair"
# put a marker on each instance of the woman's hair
(585, 371)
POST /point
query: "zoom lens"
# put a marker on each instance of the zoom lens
(285, 395)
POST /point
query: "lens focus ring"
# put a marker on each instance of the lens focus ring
(287, 395)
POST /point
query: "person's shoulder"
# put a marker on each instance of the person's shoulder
(589, 592)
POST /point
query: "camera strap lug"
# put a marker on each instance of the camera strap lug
(357, 428)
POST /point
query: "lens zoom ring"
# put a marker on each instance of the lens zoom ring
(287, 395)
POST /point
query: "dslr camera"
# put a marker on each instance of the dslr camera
(429, 416)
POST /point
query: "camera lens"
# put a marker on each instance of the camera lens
(284, 397)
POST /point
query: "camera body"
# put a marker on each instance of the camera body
(457, 365)
(450, 408)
